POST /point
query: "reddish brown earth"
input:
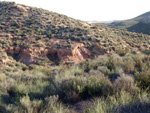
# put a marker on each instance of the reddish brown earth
(76, 53)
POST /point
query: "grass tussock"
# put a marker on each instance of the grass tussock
(122, 102)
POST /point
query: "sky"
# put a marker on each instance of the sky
(92, 10)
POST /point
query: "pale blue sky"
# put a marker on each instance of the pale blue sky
(88, 10)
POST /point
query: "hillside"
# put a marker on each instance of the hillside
(27, 32)
(51, 63)
(139, 24)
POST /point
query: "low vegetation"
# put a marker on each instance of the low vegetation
(113, 85)
(115, 80)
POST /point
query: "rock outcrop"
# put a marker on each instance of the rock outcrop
(76, 53)
(21, 8)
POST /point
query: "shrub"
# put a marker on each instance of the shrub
(41, 44)
(72, 88)
(7, 84)
(138, 63)
(32, 87)
(125, 83)
(129, 65)
(53, 106)
(78, 88)
(143, 78)
(122, 52)
(110, 64)
(2, 76)
(26, 104)
(120, 103)
(96, 86)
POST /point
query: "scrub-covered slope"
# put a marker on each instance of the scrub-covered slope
(51, 63)
(36, 36)
(139, 24)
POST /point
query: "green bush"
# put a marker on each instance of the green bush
(50, 105)
(143, 78)
(122, 102)
(138, 63)
(30, 106)
(125, 83)
(129, 65)
(2, 76)
(53, 106)
(111, 64)
(97, 86)
(122, 52)
(72, 88)
(78, 88)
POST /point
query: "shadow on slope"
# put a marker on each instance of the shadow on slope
(140, 28)
(140, 107)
